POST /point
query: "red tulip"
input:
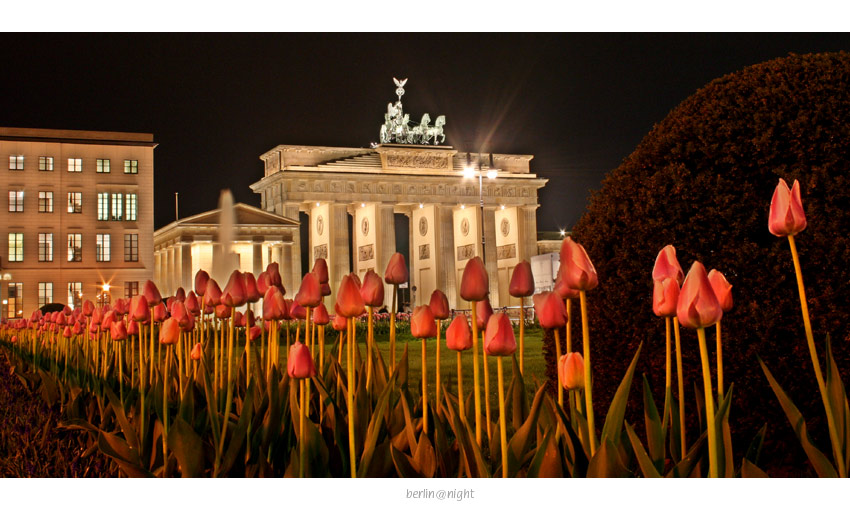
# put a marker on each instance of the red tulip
(274, 306)
(133, 328)
(499, 339)
(151, 293)
(78, 327)
(179, 312)
(372, 289)
(300, 364)
(667, 266)
(67, 310)
(297, 311)
(273, 271)
(320, 270)
(60, 320)
(698, 306)
(439, 305)
(326, 288)
(180, 295)
(422, 324)
(665, 297)
(222, 311)
(254, 333)
(252, 293)
(571, 371)
(238, 319)
(202, 278)
(139, 309)
(396, 272)
(348, 299)
(88, 308)
(577, 270)
(786, 210)
(564, 291)
(250, 319)
(213, 294)
(309, 294)
(320, 315)
(235, 292)
(722, 289)
(339, 322)
(118, 331)
(475, 284)
(106, 322)
(169, 332)
(522, 280)
(550, 310)
(483, 311)
(196, 352)
(263, 282)
(208, 308)
(192, 304)
(458, 334)
(66, 332)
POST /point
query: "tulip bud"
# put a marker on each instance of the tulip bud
(169, 332)
(786, 210)
(133, 328)
(564, 291)
(320, 315)
(196, 352)
(300, 364)
(667, 266)
(67, 310)
(348, 299)
(396, 272)
(320, 270)
(578, 271)
(235, 292)
(274, 306)
(474, 284)
(202, 278)
(722, 289)
(238, 319)
(458, 334)
(66, 332)
(118, 330)
(151, 293)
(522, 281)
(483, 311)
(180, 295)
(252, 293)
(325, 288)
(339, 322)
(297, 311)
(222, 311)
(263, 283)
(254, 333)
(372, 289)
(192, 305)
(550, 311)
(139, 310)
(213, 294)
(698, 306)
(422, 324)
(665, 297)
(571, 371)
(439, 305)
(309, 294)
(273, 270)
(499, 339)
(88, 308)
(159, 313)
(78, 328)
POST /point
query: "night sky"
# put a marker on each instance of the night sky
(579, 103)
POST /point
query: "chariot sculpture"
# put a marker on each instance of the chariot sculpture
(397, 127)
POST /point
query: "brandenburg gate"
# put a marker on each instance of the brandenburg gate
(437, 188)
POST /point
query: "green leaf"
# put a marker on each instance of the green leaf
(837, 398)
(750, 470)
(606, 462)
(106, 443)
(721, 423)
(187, 447)
(403, 464)
(654, 433)
(238, 436)
(518, 400)
(521, 440)
(646, 464)
(754, 450)
(128, 430)
(617, 410)
(819, 461)
(685, 467)
(373, 431)
(425, 459)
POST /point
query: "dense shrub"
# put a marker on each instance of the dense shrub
(702, 180)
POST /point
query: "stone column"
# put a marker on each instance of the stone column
(188, 278)
(528, 227)
(410, 258)
(339, 246)
(490, 259)
(157, 268)
(386, 245)
(444, 261)
(258, 255)
(292, 261)
(169, 278)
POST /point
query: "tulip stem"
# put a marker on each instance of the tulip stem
(668, 374)
(424, 387)
(502, 420)
(719, 363)
(475, 376)
(392, 331)
(142, 414)
(302, 429)
(709, 405)
(810, 339)
(521, 334)
(487, 391)
(588, 398)
(369, 338)
(437, 379)
(557, 359)
(460, 388)
(120, 373)
(165, 382)
(681, 382)
(351, 443)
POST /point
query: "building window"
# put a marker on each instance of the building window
(75, 165)
(15, 305)
(103, 250)
(16, 201)
(45, 293)
(102, 206)
(131, 289)
(16, 247)
(75, 247)
(132, 206)
(75, 202)
(16, 162)
(117, 207)
(103, 165)
(75, 294)
(131, 247)
(45, 201)
(131, 167)
(45, 163)
(45, 246)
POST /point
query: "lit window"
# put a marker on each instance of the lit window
(131, 247)
(45, 293)
(75, 165)
(16, 201)
(45, 246)
(131, 167)
(16, 162)
(102, 206)
(132, 206)
(16, 247)
(45, 201)
(45, 163)
(131, 289)
(75, 294)
(117, 207)
(103, 165)
(75, 247)
(75, 202)
(15, 305)
(103, 250)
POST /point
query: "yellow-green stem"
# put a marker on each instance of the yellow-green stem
(460, 388)
(588, 397)
(521, 334)
(709, 405)
(369, 338)
(424, 388)
(302, 430)
(475, 376)
(352, 458)
(502, 420)
(487, 412)
(681, 387)
(557, 359)
(392, 331)
(719, 363)
(437, 379)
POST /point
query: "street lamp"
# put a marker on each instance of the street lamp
(469, 172)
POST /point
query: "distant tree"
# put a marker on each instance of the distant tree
(702, 180)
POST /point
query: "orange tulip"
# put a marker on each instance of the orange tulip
(722, 289)
(667, 266)
(349, 301)
(263, 282)
(151, 293)
(309, 294)
(665, 297)
(139, 310)
(571, 371)
(698, 306)
(786, 210)
(550, 310)
(320, 315)
(458, 334)
(118, 330)
(396, 272)
(564, 291)
(339, 323)
(213, 294)
(483, 311)
(439, 305)
(274, 305)
(577, 269)
(474, 284)
(522, 281)
(252, 293)
(192, 305)
(372, 289)
(300, 364)
(169, 332)
(196, 352)
(499, 337)
(202, 278)
(235, 292)
(320, 270)
(422, 325)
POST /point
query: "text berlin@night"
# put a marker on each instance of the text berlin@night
(441, 494)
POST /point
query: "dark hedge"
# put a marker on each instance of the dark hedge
(702, 180)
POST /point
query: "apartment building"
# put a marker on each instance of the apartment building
(77, 222)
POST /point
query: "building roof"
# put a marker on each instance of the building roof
(77, 136)
(244, 215)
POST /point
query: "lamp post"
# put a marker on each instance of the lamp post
(469, 172)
